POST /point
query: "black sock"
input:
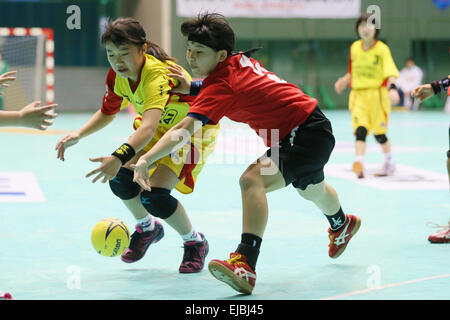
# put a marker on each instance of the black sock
(337, 220)
(249, 247)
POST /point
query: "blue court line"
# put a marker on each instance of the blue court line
(12, 193)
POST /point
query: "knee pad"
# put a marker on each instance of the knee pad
(159, 202)
(361, 134)
(123, 186)
(381, 138)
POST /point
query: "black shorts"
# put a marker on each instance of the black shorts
(304, 152)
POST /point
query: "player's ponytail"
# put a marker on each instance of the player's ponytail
(129, 30)
(158, 52)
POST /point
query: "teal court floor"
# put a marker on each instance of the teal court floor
(48, 208)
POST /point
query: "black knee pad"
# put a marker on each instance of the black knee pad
(123, 186)
(159, 202)
(381, 138)
(361, 134)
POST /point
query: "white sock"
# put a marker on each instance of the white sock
(388, 157)
(360, 159)
(147, 223)
(192, 236)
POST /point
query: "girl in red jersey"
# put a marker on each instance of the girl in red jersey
(138, 75)
(298, 134)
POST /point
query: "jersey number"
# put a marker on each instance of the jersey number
(259, 70)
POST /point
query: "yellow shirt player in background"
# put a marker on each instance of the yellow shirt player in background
(139, 76)
(371, 76)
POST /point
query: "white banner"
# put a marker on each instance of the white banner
(316, 9)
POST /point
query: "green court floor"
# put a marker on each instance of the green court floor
(45, 239)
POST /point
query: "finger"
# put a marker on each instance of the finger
(47, 108)
(61, 153)
(47, 115)
(47, 123)
(97, 177)
(99, 159)
(93, 172)
(9, 73)
(106, 179)
(42, 127)
(133, 166)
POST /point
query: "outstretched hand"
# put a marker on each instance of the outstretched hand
(110, 166)
(5, 78)
(141, 174)
(422, 92)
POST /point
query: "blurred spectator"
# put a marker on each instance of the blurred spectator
(409, 78)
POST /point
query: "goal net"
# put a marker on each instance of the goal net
(29, 51)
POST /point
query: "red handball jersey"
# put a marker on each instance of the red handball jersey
(243, 91)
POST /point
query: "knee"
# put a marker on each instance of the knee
(381, 138)
(159, 203)
(123, 186)
(249, 179)
(361, 134)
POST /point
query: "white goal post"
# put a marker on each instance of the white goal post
(29, 51)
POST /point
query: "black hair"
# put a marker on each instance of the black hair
(211, 30)
(130, 31)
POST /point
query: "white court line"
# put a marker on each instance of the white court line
(397, 284)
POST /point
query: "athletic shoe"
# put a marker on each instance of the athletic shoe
(358, 168)
(442, 235)
(140, 241)
(235, 272)
(194, 256)
(339, 239)
(387, 169)
(6, 296)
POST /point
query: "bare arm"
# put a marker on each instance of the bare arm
(97, 122)
(342, 83)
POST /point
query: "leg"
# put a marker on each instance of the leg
(360, 151)
(342, 227)
(239, 270)
(388, 167)
(323, 196)
(254, 187)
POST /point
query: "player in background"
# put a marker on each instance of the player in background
(139, 75)
(32, 115)
(290, 123)
(421, 93)
(371, 75)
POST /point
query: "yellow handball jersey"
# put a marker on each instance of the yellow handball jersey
(371, 68)
(151, 90)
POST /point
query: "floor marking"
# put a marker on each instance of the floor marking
(397, 284)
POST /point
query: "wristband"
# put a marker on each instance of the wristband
(195, 87)
(125, 152)
(440, 85)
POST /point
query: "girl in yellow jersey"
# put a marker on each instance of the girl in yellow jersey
(371, 75)
(139, 76)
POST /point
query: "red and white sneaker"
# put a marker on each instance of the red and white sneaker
(442, 235)
(339, 239)
(235, 272)
(6, 296)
